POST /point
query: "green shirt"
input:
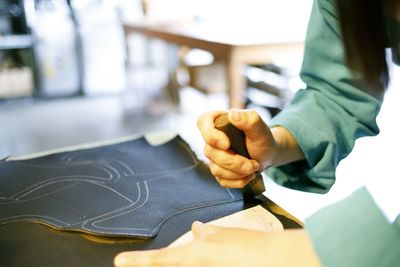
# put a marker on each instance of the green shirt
(330, 114)
(326, 118)
(354, 232)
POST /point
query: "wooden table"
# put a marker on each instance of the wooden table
(233, 45)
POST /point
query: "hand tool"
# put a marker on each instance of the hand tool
(238, 145)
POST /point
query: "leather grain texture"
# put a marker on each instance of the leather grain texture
(128, 189)
(30, 244)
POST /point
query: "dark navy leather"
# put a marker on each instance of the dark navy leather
(125, 189)
(132, 196)
(29, 244)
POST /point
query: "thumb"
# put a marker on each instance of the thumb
(250, 122)
(203, 231)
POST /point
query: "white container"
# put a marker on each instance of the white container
(103, 49)
(55, 49)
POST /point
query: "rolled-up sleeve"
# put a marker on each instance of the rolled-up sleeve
(330, 113)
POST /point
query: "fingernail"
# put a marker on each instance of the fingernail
(198, 230)
(198, 224)
(235, 115)
(221, 144)
(256, 166)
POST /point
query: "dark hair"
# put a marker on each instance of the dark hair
(363, 28)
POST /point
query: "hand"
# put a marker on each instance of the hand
(216, 246)
(266, 147)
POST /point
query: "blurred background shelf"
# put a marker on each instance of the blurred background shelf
(18, 73)
(16, 41)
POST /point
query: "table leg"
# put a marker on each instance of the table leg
(173, 85)
(236, 82)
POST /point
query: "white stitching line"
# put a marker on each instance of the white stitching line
(114, 179)
(119, 211)
(100, 160)
(92, 221)
(73, 177)
(126, 166)
(32, 216)
(132, 209)
(230, 193)
(69, 158)
(93, 224)
(31, 189)
(179, 142)
(150, 232)
(216, 203)
(41, 196)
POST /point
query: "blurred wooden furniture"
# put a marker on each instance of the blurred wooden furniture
(233, 45)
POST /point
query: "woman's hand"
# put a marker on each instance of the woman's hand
(267, 147)
(216, 246)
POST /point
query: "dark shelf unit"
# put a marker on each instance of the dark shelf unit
(14, 12)
(16, 37)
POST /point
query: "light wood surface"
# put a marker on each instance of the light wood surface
(256, 218)
(233, 45)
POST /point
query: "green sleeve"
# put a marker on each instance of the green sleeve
(330, 114)
(354, 232)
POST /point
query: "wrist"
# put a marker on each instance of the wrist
(286, 147)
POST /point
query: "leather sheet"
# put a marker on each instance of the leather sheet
(30, 244)
(126, 189)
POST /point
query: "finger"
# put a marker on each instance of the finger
(238, 183)
(212, 136)
(248, 121)
(218, 234)
(231, 161)
(223, 173)
(135, 258)
(203, 231)
(160, 257)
